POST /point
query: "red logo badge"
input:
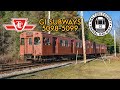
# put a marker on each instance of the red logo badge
(19, 24)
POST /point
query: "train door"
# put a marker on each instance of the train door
(36, 45)
(54, 40)
(72, 46)
(28, 45)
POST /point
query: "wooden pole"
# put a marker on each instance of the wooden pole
(48, 20)
(83, 38)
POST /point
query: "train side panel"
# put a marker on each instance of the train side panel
(47, 45)
(64, 46)
(78, 47)
(36, 43)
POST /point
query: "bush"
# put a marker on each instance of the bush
(6, 59)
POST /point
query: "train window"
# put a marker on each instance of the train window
(88, 46)
(102, 47)
(63, 43)
(66, 43)
(22, 41)
(92, 46)
(30, 41)
(78, 44)
(97, 46)
(37, 40)
(46, 41)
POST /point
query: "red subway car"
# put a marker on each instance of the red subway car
(39, 45)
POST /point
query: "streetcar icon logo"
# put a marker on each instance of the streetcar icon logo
(100, 24)
(19, 24)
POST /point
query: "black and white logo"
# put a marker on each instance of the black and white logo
(100, 24)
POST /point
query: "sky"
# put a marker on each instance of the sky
(115, 15)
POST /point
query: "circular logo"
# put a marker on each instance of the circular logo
(100, 24)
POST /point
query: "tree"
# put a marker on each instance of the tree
(117, 29)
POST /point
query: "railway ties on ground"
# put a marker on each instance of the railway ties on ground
(25, 69)
(31, 70)
(4, 68)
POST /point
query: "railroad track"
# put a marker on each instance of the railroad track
(12, 67)
(9, 69)
(15, 70)
(12, 70)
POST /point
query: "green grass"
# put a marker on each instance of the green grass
(92, 70)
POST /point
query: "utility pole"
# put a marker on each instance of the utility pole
(115, 43)
(48, 19)
(83, 37)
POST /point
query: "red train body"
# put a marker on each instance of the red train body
(39, 45)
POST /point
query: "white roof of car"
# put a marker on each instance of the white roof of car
(100, 18)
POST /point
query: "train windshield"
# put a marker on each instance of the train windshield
(100, 22)
(37, 40)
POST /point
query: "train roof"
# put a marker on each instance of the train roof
(45, 33)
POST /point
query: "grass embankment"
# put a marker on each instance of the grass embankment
(92, 70)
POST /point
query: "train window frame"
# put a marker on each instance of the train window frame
(47, 41)
(91, 45)
(88, 46)
(97, 46)
(30, 41)
(78, 45)
(62, 43)
(102, 47)
(38, 42)
(66, 43)
(22, 41)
